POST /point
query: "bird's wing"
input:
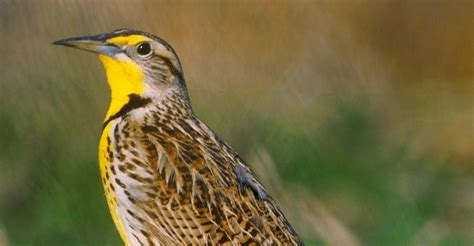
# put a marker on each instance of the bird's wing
(205, 193)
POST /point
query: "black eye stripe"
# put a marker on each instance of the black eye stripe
(144, 49)
(173, 69)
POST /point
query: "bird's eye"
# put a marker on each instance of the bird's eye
(144, 49)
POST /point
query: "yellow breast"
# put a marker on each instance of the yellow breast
(104, 148)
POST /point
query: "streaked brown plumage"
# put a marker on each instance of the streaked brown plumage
(168, 178)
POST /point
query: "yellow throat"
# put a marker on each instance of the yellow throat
(123, 75)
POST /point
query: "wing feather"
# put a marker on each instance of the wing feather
(212, 191)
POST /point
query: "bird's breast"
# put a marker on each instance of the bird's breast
(128, 164)
(105, 158)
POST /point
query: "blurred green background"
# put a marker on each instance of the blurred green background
(357, 115)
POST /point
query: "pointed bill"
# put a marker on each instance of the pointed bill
(96, 44)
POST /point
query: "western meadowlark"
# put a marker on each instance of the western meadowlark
(168, 178)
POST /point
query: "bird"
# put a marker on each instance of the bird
(168, 178)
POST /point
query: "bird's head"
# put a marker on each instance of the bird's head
(136, 64)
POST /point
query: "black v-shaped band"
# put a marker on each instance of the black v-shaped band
(135, 101)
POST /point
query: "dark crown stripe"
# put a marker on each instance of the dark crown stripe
(135, 101)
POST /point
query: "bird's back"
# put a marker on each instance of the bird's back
(170, 180)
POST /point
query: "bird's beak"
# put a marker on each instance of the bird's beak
(96, 44)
